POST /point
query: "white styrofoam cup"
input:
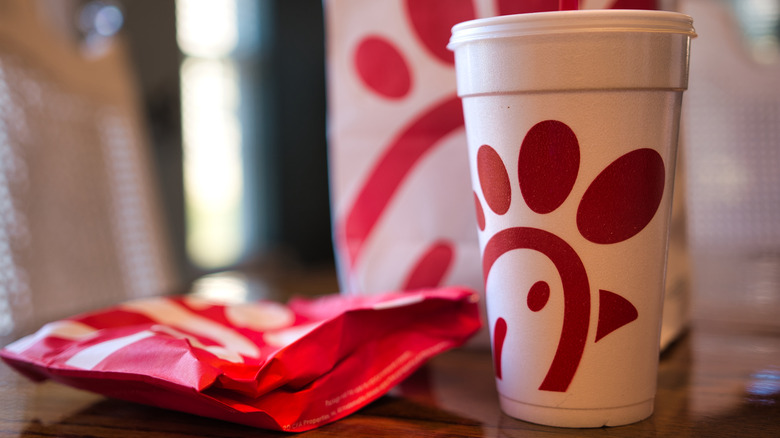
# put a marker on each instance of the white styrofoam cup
(572, 121)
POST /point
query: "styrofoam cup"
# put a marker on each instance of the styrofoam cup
(572, 121)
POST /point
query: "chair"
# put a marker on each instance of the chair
(81, 225)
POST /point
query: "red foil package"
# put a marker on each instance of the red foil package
(287, 367)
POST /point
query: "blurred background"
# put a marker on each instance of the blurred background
(234, 97)
(226, 99)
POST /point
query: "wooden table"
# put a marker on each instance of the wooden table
(721, 379)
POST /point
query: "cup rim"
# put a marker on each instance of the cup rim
(577, 21)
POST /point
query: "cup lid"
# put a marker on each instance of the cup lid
(579, 21)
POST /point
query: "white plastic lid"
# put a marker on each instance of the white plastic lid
(603, 20)
(573, 50)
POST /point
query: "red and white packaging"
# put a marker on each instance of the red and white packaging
(287, 367)
(403, 209)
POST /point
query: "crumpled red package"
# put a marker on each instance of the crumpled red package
(287, 367)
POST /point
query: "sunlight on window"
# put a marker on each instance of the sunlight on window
(206, 28)
(213, 179)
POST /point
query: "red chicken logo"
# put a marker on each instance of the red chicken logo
(387, 73)
(617, 205)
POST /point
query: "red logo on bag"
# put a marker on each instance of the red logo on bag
(617, 205)
(387, 73)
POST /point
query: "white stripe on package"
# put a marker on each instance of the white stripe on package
(59, 329)
(167, 312)
(88, 358)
